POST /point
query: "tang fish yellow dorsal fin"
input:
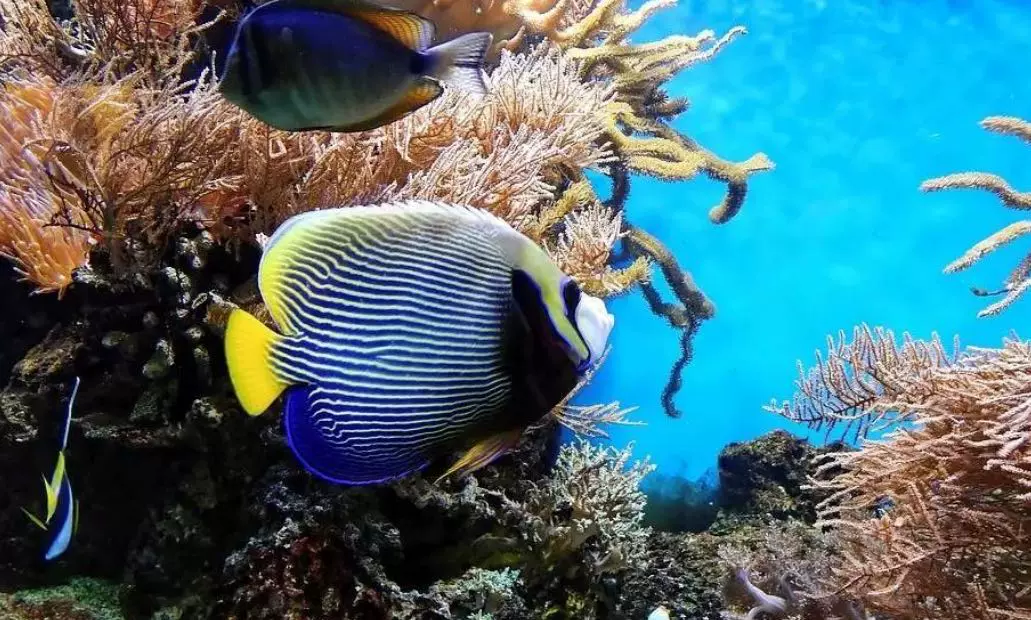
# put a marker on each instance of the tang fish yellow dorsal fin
(422, 93)
(483, 453)
(53, 487)
(409, 29)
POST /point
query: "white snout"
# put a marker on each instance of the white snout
(595, 324)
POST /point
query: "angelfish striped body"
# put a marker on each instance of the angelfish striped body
(407, 331)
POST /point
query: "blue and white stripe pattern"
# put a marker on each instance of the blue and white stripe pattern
(394, 324)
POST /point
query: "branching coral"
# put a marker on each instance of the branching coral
(510, 21)
(119, 161)
(1019, 281)
(933, 519)
(587, 515)
(151, 40)
(858, 384)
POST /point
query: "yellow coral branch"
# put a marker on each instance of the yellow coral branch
(1018, 281)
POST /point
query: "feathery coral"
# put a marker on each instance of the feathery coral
(1019, 280)
(848, 386)
(933, 519)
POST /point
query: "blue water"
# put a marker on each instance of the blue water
(857, 102)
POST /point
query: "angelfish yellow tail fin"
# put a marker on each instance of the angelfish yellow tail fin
(248, 343)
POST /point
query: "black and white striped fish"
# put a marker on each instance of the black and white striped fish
(409, 331)
(343, 65)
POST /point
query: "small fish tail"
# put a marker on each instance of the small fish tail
(459, 62)
(248, 345)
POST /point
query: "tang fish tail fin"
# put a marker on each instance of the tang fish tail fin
(66, 515)
(483, 453)
(459, 62)
(248, 345)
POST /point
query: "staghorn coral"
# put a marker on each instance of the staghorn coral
(931, 520)
(1019, 280)
(482, 593)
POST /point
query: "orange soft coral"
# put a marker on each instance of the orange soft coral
(29, 195)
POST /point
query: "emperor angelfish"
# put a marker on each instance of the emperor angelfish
(343, 65)
(409, 331)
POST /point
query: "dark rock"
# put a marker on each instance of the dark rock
(765, 476)
(683, 574)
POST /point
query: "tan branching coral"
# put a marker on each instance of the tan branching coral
(1019, 280)
(587, 516)
(127, 150)
(848, 388)
(933, 519)
(149, 39)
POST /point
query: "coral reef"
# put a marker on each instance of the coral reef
(108, 144)
(1019, 280)
(932, 518)
(130, 189)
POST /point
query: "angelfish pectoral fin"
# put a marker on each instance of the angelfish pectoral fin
(483, 453)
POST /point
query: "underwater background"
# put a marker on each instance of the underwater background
(857, 102)
(188, 508)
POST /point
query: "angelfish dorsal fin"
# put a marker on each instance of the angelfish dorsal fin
(409, 29)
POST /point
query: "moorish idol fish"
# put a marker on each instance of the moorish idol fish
(407, 331)
(343, 65)
(62, 507)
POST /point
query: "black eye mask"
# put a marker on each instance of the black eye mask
(530, 300)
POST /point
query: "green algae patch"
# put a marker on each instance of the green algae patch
(79, 599)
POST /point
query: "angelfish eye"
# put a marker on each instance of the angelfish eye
(571, 298)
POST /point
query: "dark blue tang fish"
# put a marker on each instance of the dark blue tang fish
(343, 65)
